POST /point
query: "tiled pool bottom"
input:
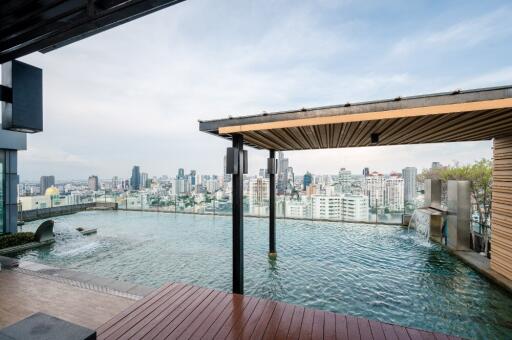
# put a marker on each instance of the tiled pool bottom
(378, 272)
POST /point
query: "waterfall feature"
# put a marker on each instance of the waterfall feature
(420, 221)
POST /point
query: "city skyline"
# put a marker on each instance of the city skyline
(96, 120)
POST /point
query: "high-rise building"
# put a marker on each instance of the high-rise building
(307, 180)
(366, 172)
(46, 182)
(144, 180)
(192, 177)
(282, 174)
(181, 173)
(263, 173)
(394, 193)
(93, 183)
(115, 183)
(374, 189)
(135, 179)
(409, 175)
(258, 191)
(344, 180)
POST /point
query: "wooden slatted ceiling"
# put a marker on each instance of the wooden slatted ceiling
(453, 127)
(178, 311)
(501, 219)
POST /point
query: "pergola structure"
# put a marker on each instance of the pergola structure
(458, 116)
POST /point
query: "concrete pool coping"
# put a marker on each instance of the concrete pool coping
(77, 278)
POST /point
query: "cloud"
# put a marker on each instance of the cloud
(461, 35)
(133, 94)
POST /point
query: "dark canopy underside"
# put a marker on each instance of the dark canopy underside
(28, 26)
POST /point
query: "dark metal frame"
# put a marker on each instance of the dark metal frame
(238, 215)
(28, 26)
(272, 202)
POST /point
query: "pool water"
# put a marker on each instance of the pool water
(375, 271)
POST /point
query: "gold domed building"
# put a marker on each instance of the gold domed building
(52, 191)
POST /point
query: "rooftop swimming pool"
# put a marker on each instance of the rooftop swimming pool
(374, 271)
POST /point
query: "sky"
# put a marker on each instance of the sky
(133, 95)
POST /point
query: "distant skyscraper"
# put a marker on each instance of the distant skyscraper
(227, 177)
(436, 165)
(282, 174)
(135, 179)
(45, 183)
(366, 172)
(263, 173)
(409, 174)
(193, 177)
(181, 173)
(93, 183)
(115, 182)
(307, 180)
(144, 179)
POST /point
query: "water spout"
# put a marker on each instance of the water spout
(420, 221)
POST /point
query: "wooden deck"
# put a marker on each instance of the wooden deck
(178, 311)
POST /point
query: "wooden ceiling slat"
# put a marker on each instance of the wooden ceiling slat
(412, 128)
(464, 123)
(298, 137)
(283, 135)
(263, 141)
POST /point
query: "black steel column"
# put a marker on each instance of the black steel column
(272, 211)
(238, 216)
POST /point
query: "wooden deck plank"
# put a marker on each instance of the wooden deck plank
(414, 334)
(238, 315)
(318, 325)
(273, 324)
(262, 324)
(180, 311)
(243, 329)
(207, 316)
(295, 325)
(134, 325)
(440, 336)
(427, 335)
(236, 304)
(137, 315)
(377, 330)
(401, 332)
(330, 326)
(353, 328)
(219, 313)
(192, 316)
(163, 319)
(341, 327)
(389, 332)
(146, 301)
(284, 323)
(364, 329)
(307, 324)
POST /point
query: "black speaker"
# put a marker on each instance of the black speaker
(25, 111)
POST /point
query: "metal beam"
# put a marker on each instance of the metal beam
(238, 216)
(272, 252)
(446, 98)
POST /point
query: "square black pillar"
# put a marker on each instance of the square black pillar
(238, 213)
(272, 170)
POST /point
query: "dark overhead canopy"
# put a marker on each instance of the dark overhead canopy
(457, 116)
(28, 26)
